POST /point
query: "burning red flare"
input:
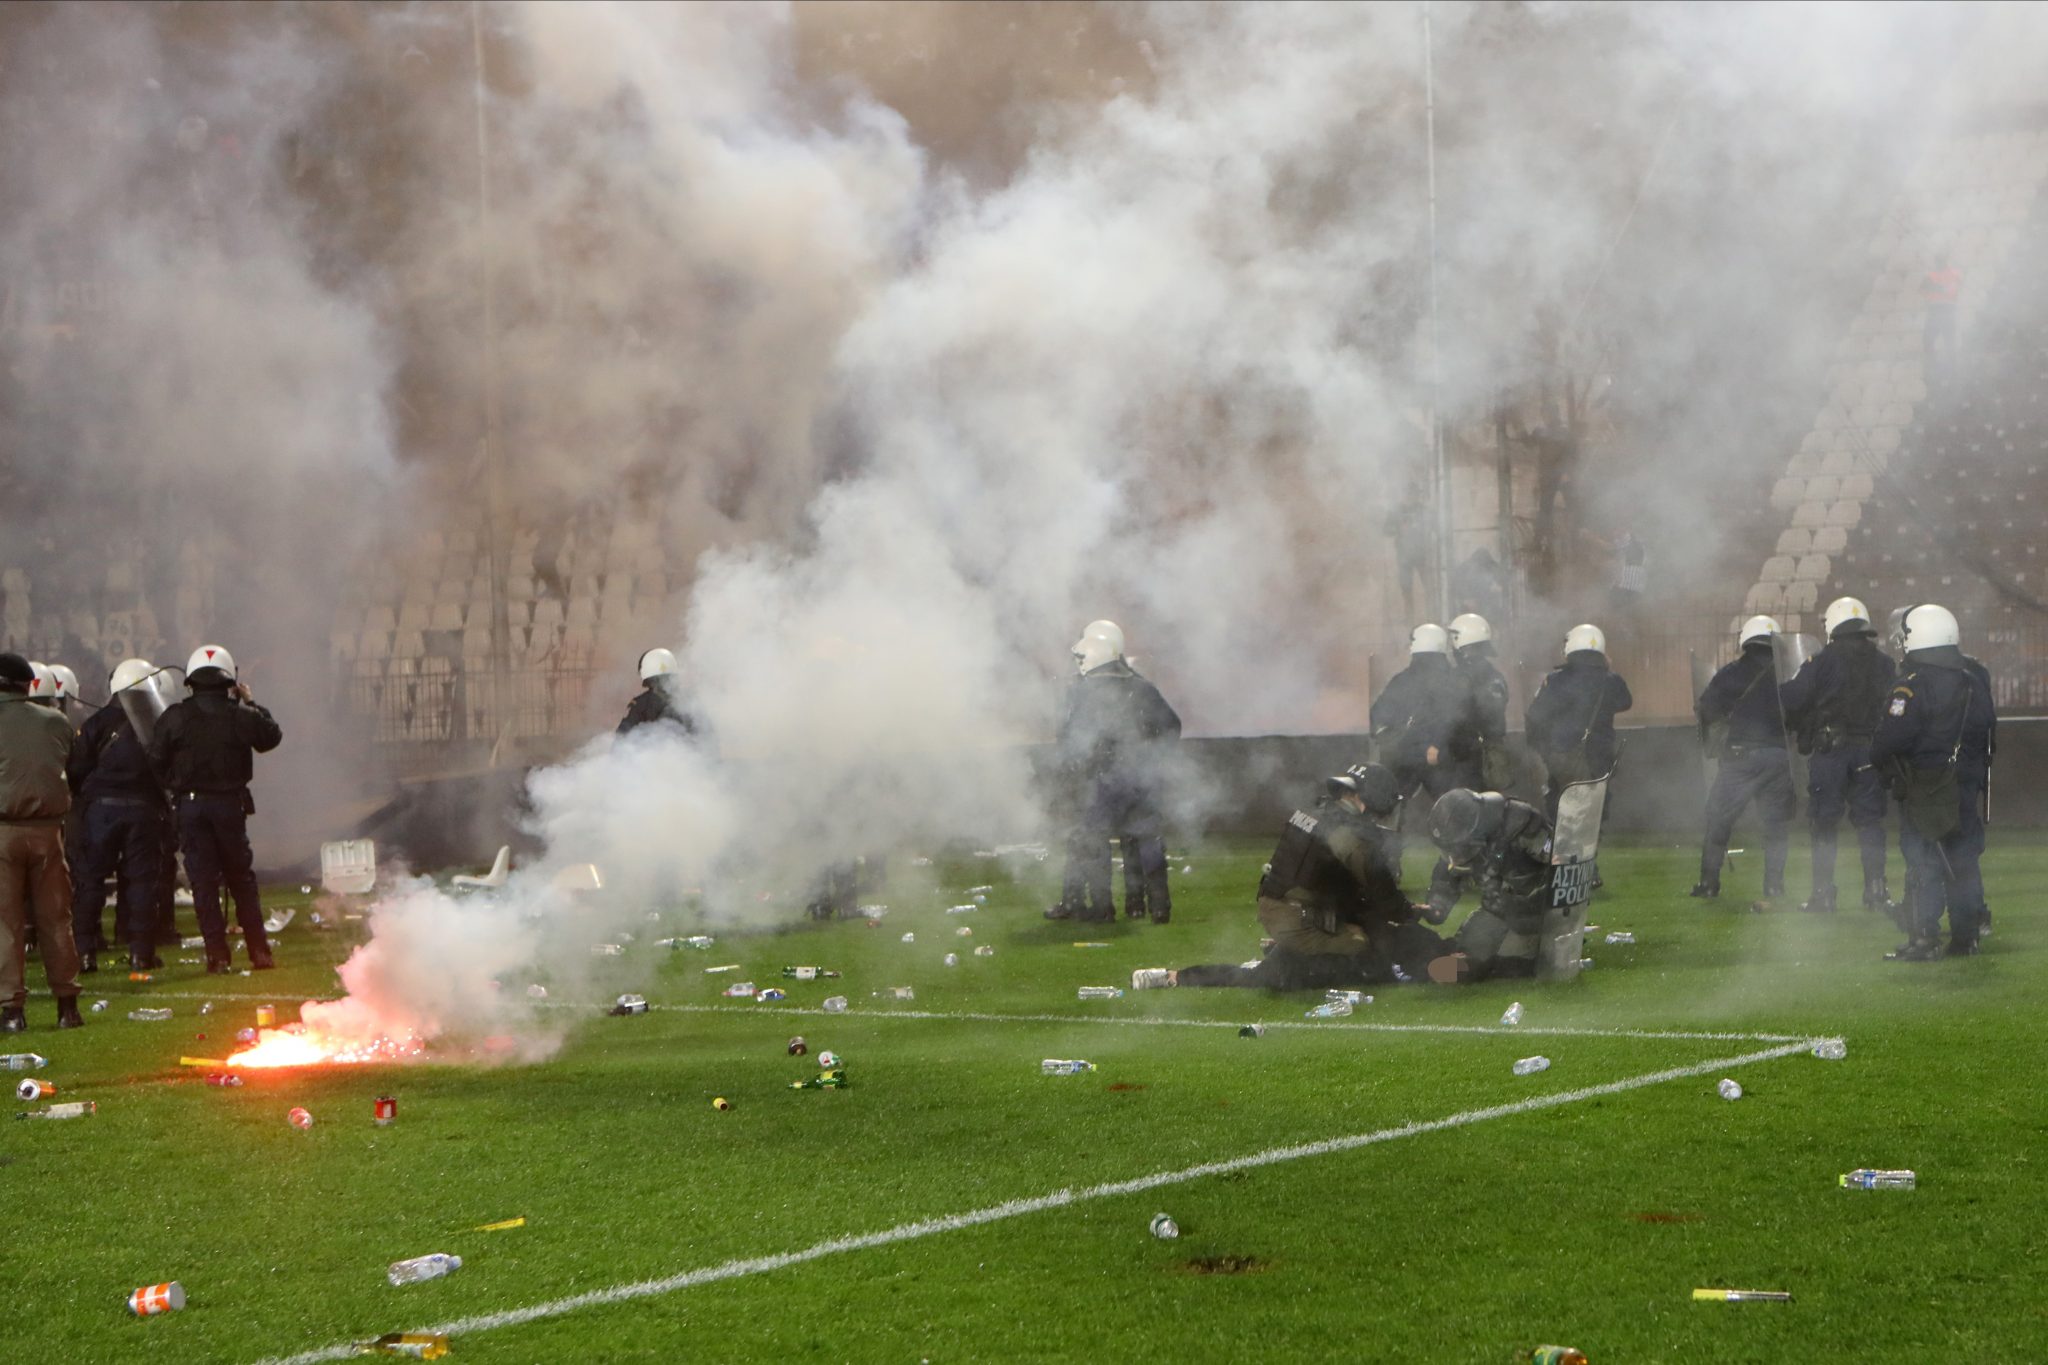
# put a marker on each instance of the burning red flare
(293, 1045)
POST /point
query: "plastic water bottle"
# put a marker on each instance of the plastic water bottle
(1529, 1066)
(1102, 992)
(1164, 1228)
(1729, 1089)
(537, 991)
(1330, 1009)
(149, 1016)
(807, 973)
(23, 1061)
(1512, 1015)
(963, 932)
(1620, 936)
(1064, 1066)
(745, 988)
(835, 1004)
(423, 1268)
(952, 959)
(1348, 997)
(417, 1345)
(607, 950)
(910, 938)
(984, 951)
(1831, 1049)
(1867, 1179)
(962, 909)
(82, 1110)
(100, 1006)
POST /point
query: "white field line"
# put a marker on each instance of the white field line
(1015, 1208)
(1317, 1025)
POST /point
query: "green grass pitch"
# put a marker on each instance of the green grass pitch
(1586, 1222)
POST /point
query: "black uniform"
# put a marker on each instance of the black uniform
(1428, 705)
(1331, 901)
(1934, 743)
(1113, 747)
(202, 751)
(654, 706)
(125, 815)
(1571, 721)
(1755, 766)
(1833, 708)
(1482, 733)
(1512, 873)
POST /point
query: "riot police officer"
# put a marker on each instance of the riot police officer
(1499, 847)
(1483, 731)
(1113, 748)
(1755, 764)
(1832, 707)
(201, 750)
(1571, 721)
(656, 703)
(1330, 899)
(1423, 717)
(125, 814)
(1934, 742)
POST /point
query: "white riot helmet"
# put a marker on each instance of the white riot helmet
(210, 656)
(67, 685)
(127, 673)
(44, 689)
(1841, 612)
(1930, 627)
(656, 663)
(1469, 629)
(1101, 642)
(1429, 639)
(1583, 637)
(1757, 628)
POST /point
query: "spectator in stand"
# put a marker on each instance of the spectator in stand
(1631, 578)
(1939, 291)
(1479, 586)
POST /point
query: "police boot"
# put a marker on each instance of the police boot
(260, 959)
(144, 962)
(67, 1014)
(219, 964)
(1962, 945)
(88, 963)
(1919, 948)
(1704, 890)
(1059, 910)
(1876, 896)
(1822, 902)
(13, 1019)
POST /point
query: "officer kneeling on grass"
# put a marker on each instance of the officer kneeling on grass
(202, 751)
(1330, 900)
(1499, 847)
(1934, 744)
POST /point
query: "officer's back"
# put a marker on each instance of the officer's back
(1572, 716)
(109, 760)
(1114, 720)
(206, 742)
(1839, 694)
(1745, 695)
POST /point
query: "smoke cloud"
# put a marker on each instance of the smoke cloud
(905, 339)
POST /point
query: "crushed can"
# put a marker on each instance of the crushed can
(386, 1111)
(630, 1004)
(772, 993)
(1252, 1031)
(798, 1047)
(225, 1079)
(300, 1119)
(152, 1299)
(32, 1090)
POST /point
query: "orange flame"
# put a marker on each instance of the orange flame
(292, 1045)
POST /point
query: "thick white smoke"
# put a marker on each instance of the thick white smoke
(910, 418)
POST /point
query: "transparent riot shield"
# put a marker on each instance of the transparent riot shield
(147, 700)
(1574, 847)
(1789, 654)
(1711, 735)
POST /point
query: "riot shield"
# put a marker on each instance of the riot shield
(145, 701)
(1711, 735)
(1574, 848)
(1789, 654)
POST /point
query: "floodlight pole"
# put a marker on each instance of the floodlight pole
(499, 685)
(1439, 476)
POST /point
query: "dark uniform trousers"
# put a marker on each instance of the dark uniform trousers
(1944, 874)
(1841, 781)
(124, 835)
(213, 832)
(1762, 774)
(1117, 811)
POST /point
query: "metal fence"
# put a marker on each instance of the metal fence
(448, 701)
